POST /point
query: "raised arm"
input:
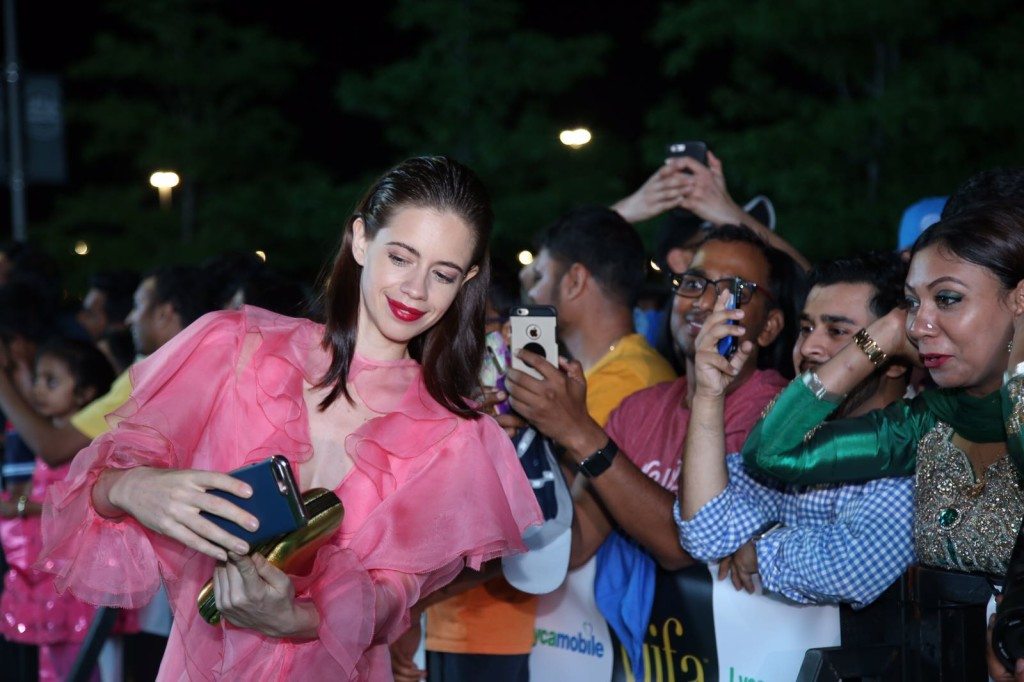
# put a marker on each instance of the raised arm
(705, 194)
(556, 406)
(795, 444)
(53, 444)
(704, 473)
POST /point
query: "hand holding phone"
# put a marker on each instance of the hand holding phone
(492, 374)
(695, 149)
(727, 345)
(533, 329)
(275, 501)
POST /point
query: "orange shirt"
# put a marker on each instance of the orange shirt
(494, 618)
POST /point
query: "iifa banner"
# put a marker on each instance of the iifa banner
(700, 629)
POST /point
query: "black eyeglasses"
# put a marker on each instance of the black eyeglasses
(692, 286)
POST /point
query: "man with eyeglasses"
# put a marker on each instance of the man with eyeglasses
(633, 463)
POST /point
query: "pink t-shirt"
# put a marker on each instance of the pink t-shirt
(650, 425)
(429, 494)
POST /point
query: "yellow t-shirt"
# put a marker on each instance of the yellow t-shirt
(629, 366)
(91, 419)
(495, 618)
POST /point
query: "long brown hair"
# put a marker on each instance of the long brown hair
(451, 351)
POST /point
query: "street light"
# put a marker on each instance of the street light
(164, 181)
(525, 257)
(575, 138)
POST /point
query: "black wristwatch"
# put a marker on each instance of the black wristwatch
(598, 463)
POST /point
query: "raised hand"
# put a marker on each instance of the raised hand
(714, 373)
(703, 191)
(557, 404)
(662, 191)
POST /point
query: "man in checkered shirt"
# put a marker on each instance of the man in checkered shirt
(813, 544)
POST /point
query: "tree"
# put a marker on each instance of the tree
(175, 85)
(478, 86)
(844, 113)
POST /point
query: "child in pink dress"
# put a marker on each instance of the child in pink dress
(68, 374)
(369, 405)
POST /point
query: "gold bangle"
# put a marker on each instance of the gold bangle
(867, 344)
(21, 505)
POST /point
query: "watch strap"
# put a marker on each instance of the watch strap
(597, 463)
(813, 382)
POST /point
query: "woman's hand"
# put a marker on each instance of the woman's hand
(169, 501)
(250, 592)
(713, 372)
(890, 333)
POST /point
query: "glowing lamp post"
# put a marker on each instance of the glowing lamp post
(164, 181)
(575, 138)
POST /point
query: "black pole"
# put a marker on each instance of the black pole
(100, 629)
(16, 174)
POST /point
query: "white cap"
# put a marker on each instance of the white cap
(543, 566)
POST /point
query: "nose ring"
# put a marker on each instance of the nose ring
(929, 326)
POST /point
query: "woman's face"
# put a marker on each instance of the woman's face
(412, 270)
(960, 319)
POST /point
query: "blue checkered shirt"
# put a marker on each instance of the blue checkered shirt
(836, 543)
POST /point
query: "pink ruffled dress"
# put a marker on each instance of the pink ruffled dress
(429, 494)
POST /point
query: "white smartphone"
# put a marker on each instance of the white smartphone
(533, 328)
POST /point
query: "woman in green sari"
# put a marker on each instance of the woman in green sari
(964, 321)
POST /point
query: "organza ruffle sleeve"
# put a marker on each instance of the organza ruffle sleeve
(794, 443)
(114, 562)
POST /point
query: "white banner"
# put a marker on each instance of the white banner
(701, 628)
(762, 638)
(571, 638)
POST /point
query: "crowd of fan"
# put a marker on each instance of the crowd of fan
(682, 494)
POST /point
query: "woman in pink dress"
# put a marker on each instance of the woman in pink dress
(370, 405)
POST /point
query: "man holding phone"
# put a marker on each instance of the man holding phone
(590, 267)
(637, 489)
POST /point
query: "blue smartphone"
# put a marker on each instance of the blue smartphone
(275, 501)
(727, 346)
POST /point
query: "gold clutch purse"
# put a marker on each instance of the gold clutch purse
(294, 552)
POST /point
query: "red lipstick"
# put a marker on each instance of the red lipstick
(404, 312)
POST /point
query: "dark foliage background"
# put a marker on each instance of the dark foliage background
(277, 117)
